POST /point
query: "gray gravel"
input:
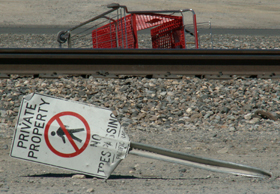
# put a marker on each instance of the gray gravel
(154, 105)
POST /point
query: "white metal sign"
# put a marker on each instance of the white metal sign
(69, 135)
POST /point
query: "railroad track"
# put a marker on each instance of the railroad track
(111, 63)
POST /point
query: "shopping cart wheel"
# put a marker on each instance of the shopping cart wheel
(62, 36)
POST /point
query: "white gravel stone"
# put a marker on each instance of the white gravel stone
(248, 116)
(90, 190)
(254, 120)
(78, 176)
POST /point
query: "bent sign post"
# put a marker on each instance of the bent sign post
(69, 135)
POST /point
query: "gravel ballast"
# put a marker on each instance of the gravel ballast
(157, 104)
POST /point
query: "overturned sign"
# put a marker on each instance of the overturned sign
(90, 140)
(69, 135)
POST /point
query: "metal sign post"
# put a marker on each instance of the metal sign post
(90, 140)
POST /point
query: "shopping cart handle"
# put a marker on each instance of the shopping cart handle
(113, 5)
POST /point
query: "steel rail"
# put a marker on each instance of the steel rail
(140, 62)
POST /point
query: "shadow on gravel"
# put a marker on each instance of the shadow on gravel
(56, 175)
(112, 177)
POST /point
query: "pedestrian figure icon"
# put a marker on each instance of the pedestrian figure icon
(61, 133)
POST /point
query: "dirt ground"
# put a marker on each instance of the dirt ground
(259, 14)
(140, 175)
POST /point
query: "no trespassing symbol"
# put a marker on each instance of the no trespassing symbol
(65, 134)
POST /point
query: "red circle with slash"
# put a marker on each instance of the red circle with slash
(68, 136)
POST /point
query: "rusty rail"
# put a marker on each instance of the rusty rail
(138, 62)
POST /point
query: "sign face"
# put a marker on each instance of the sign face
(70, 135)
